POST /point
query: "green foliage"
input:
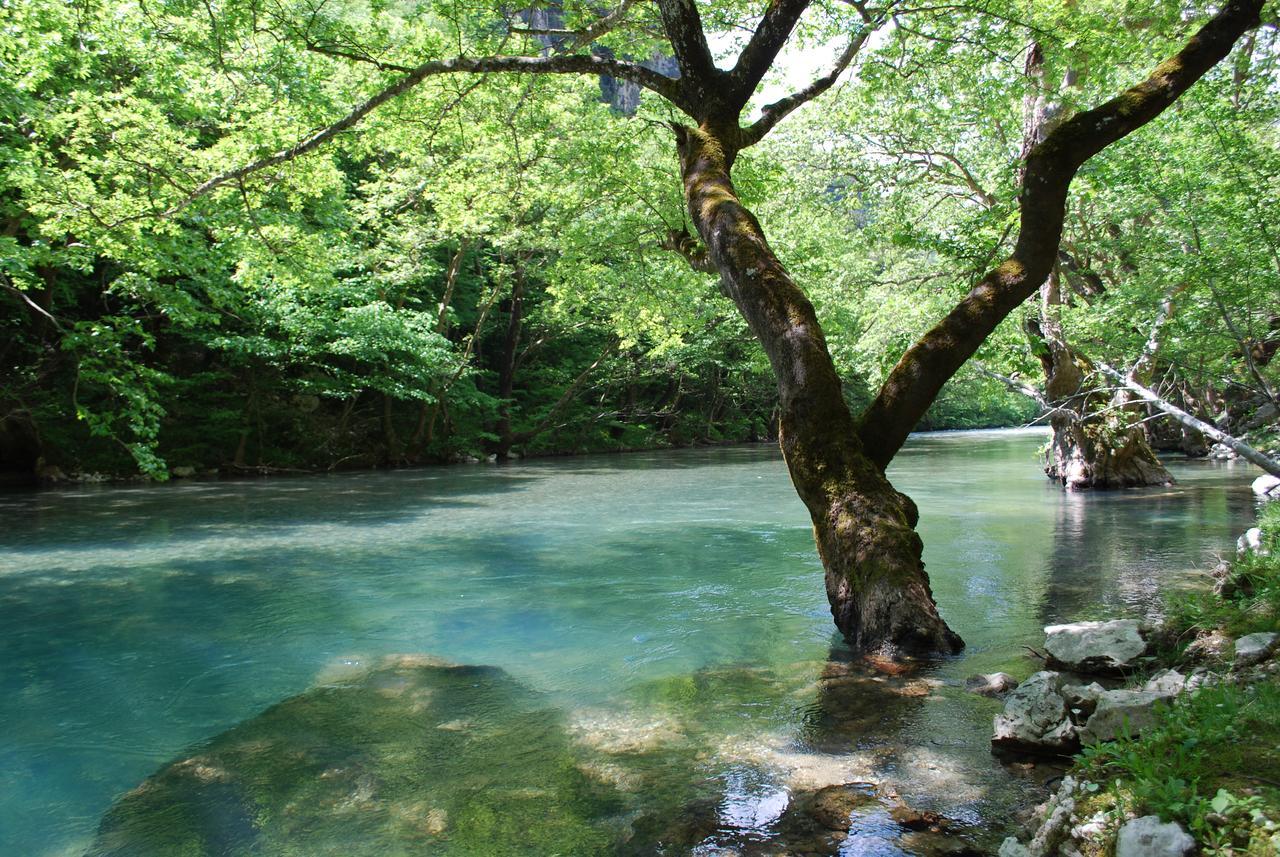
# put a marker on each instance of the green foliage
(304, 316)
(1202, 765)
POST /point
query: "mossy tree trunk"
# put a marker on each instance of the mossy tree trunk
(1098, 440)
(864, 528)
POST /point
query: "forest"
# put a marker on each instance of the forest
(490, 263)
(322, 238)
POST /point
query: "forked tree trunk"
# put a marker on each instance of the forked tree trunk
(864, 528)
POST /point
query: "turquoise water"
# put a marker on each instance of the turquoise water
(136, 622)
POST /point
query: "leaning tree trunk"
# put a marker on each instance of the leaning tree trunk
(864, 528)
(1098, 439)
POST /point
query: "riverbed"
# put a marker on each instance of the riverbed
(653, 601)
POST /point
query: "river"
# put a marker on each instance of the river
(139, 621)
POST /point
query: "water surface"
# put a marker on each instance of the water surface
(641, 595)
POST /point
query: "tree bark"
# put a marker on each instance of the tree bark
(1097, 443)
(864, 528)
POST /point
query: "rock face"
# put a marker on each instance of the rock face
(1256, 648)
(1267, 486)
(1095, 647)
(1035, 718)
(1150, 837)
(991, 684)
(413, 757)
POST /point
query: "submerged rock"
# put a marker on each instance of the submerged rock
(1256, 648)
(1035, 718)
(1150, 837)
(1095, 647)
(833, 806)
(408, 757)
(991, 684)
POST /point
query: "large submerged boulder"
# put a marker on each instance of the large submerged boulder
(1104, 648)
(415, 756)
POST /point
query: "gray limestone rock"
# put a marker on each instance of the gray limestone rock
(1267, 486)
(1256, 648)
(1251, 542)
(1150, 837)
(1035, 718)
(1121, 711)
(1166, 682)
(1095, 647)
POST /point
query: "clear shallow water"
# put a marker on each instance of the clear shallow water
(136, 622)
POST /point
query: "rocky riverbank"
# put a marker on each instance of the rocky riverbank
(1177, 728)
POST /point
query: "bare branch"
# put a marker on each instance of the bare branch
(1012, 383)
(1242, 449)
(338, 53)
(763, 47)
(778, 110)
(572, 64)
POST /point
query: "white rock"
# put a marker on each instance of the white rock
(1035, 718)
(1267, 485)
(1087, 647)
(1167, 683)
(1251, 542)
(1150, 837)
(1120, 712)
(1256, 648)
(990, 684)
(1013, 848)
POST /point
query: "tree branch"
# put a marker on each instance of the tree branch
(569, 64)
(693, 252)
(566, 397)
(756, 58)
(778, 110)
(583, 36)
(1051, 165)
(699, 77)
(1014, 385)
(1243, 449)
